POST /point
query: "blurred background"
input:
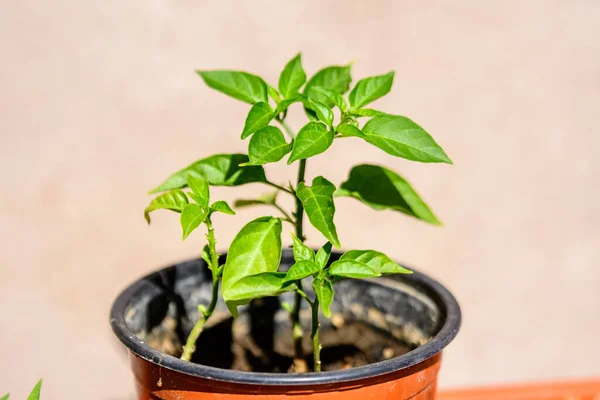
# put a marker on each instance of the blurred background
(99, 102)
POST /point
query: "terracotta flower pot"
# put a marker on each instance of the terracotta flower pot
(412, 307)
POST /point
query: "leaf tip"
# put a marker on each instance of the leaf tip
(147, 216)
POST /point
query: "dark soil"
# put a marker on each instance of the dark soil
(253, 344)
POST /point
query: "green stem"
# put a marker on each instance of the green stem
(315, 335)
(287, 216)
(287, 128)
(190, 345)
(295, 316)
(279, 187)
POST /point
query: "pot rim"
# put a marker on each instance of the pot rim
(435, 291)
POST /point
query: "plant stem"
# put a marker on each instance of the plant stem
(287, 128)
(190, 345)
(287, 218)
(315, 335)
(295, 316)
(279, 187)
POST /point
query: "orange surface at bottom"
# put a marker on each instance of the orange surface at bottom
(588, 389)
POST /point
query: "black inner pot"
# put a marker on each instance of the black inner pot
(413, 311)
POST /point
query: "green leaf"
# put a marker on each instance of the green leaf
(255, 249)
(336, 78)
(218, 170)
(314, 138)
(301, 270)
(174, 201)
(301, 251)
(206, 255)
(381, 188)
(239, 85)
(5, 397)
(323, 255)
(266, 199)
(315, 93)
(324, 113)
(284, 104)
(259, 285)
(318, 203)
(272, 92)
(324, 290)
(370, 89)
(267, 145)
(351, 269)
(375, 260)
(368, 112)
(401, 137)
(349, 130)
(191, 218)
(292, 77)
(222, 206)
(200, 191)
(35, 393)
(258, 117)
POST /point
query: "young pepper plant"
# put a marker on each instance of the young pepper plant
(252, 267)
(192, 215)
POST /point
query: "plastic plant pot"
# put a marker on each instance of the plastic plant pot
(413, 307)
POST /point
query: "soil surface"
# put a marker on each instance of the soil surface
(258, 347)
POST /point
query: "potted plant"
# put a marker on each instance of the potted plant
(249, 323)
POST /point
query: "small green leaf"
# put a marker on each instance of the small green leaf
(323, 255)
(284, 104)
(292, 77)
(191, 217)
(315, 93)
(401, 137)
(255, 249)
(381, 188)
(239, 85)
(324, 113)
(301, 270)
(206, 255)
(349, 130)
(370, 89)
(368, 112)
(324, 290)
(200, 191)
(258, 117)
(259, 285)
(267, 145)
(318, 203)
(174, 201)
(5, 397)
(203, 310)
(375, 260)
(266, 199)
(218, 170)
(351, 269)
(301, 251)
(272, 92)
(336, 78)
(222, 206)
(314, 138)
(35, 393)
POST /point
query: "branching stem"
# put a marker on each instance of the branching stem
(190, 345)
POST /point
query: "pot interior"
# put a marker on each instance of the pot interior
(372, 320)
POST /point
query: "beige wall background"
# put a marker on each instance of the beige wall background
(99, 102)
